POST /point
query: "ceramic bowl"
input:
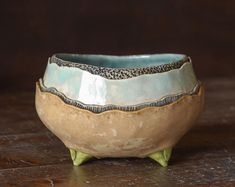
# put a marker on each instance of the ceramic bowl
(119, 106)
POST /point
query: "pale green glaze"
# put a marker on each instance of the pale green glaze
(162, 157)
(79, 157)
(85, 87)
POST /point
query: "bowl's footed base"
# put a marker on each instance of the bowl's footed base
(79, 157)
(162, 157)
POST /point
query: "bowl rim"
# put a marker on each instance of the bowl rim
(119, 72)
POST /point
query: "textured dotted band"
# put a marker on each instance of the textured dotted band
(120, 73)
(102, 108)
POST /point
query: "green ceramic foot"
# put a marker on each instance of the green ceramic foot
(162, 157)
(79, 157)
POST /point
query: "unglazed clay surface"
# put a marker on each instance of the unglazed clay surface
(118, 133)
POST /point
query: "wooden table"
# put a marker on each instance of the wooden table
(32, 156)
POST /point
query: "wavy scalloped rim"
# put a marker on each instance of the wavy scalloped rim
(102, 108)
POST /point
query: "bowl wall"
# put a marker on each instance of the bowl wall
(88, 88)
(118, 133)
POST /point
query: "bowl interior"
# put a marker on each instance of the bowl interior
(133, 61)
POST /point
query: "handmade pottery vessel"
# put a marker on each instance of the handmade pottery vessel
(119, 106)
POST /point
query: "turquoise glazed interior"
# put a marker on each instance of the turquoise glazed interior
(119, 80)
(133, 61)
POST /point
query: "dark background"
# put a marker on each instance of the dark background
(31, 31)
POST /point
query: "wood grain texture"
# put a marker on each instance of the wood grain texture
(32, 156)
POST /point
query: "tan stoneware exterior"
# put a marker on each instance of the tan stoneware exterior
(116, 133)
